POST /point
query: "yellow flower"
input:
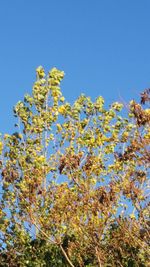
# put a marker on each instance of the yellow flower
(1, 147)
(61, 109)
(147, 111)
(59, 128)
(62, 99)
(132, 216)
(40, 72)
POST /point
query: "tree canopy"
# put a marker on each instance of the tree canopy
(75, 181)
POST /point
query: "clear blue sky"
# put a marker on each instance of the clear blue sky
(102, 45)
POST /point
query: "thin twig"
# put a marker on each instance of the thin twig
(99, 261)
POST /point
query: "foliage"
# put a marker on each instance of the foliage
(75, 181)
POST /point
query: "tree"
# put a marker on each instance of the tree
(75, 181)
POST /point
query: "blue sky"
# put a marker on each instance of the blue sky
(102, 45)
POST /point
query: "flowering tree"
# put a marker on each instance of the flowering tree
(74, 181)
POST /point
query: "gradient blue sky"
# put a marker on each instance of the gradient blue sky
(102, 45)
